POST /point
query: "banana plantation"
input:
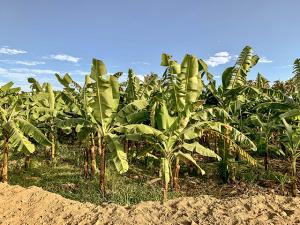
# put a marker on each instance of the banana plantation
(170, 125)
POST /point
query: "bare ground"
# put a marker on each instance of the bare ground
(36, 206)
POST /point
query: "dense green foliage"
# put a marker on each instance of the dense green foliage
(182, 117)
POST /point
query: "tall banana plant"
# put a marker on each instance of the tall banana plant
(16, 131)
(102, 114)
(105, 105)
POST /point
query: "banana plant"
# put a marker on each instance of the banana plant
(265, 124)
(78, 99)
(105, 104)
(137, 89)
(261, 81)
(236, 89)
(133, 87)
(239, 97)
(47, 105)
(175, 142)
(102, 115)
(231, 93)
(171, 134)
(16, 131)
(291, 141)
(237, 75)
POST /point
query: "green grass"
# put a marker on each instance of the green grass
(67, 179)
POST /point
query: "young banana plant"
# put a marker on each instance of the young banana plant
(291, 141)
(265, 124)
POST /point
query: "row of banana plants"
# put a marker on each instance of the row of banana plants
(176, 118)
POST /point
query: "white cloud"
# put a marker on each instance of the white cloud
(222, 54)
(140, 63)
(79, 72)
(14, 76)
(64, 57)
(264, 60)
(30, 63)
(34, 71)
(219, 58)
(20, 75)
(11, 51)
(25, 63)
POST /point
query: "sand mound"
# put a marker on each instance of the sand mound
(36, 206)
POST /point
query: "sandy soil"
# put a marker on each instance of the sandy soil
(36, 206)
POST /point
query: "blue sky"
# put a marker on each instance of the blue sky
(41, 37)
